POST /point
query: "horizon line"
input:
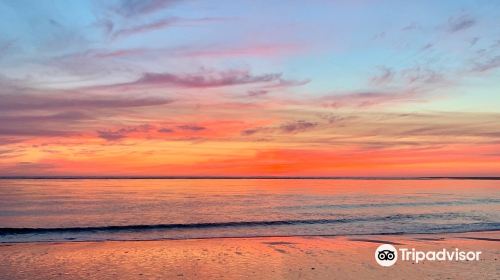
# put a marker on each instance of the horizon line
(220, 177)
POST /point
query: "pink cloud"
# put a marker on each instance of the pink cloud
(118, 53)
(258, 50)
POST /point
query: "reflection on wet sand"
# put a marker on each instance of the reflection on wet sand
(246, 258)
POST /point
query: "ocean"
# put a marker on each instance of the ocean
(35, 210)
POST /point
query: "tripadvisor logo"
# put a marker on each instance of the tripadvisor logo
(387, 255)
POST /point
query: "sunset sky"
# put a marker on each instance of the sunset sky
(319, 88)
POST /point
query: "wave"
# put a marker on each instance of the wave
(232, 224)
(4, 231)
(398, 204)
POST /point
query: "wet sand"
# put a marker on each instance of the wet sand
(248, 258)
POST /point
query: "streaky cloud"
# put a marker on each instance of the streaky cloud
(257, 92)
(113, 135)
(290, 127)
(460, 23)
(369, 99)
(15, 102)
(205, 79)
(160, 24)
(385, 76)
(133, 8)
(191, 127)
(489, 64)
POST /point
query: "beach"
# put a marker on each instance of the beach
(305, 257)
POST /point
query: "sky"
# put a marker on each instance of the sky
(249, 87)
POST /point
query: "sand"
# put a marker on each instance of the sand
(248, 258)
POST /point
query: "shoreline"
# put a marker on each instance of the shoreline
(496, 231)
(290, 257)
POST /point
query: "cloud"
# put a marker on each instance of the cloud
(8, 141)
(473, 41)
(69, 115)
(175, 131)
(160, 24)
(133, 8)
(144, 27)
(22, 124)
(375, 131)
(368, 99)
(114, 53)
(297, 126)
(287, 128)
(205, 79)
(8, 153)
(426, 47)
(385, 76)
(335, 119)
(440, 128)
(257, 92)
(379, 36)
(111, 135)
(92, 65)
(421, 76)
(412, 77)
(18, 102)
(106, 25)
(134, 12)
(283, 83)
(28, 168)
(454, 130)
(487, 65)
(114, 135)
(165, 130)
(460, 23)
(6, 47)
(411, 26)
(32, 131)
(244, 51)
(43, 113)
(191, 127)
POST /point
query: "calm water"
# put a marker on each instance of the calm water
(124, 209)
